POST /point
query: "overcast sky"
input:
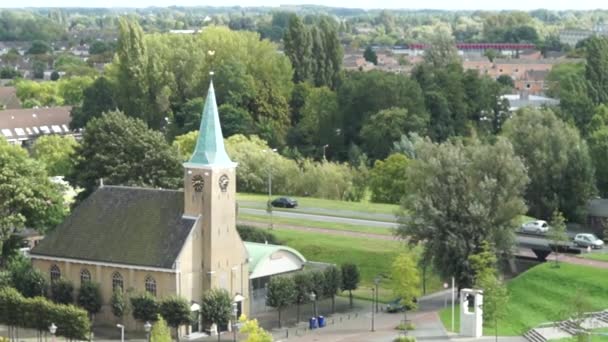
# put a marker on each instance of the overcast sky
(426, 4)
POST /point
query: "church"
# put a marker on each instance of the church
(166, 242)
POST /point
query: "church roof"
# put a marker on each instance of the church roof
(124, 225)
(210, 142)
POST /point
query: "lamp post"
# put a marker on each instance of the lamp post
(53, 330)
(313, 298)
(324, 147)
(373, 294)
(269, 205)
(376, 282)
(122, 332)
(234, 313)
(148, 328)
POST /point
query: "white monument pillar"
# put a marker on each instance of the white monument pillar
(471, 313)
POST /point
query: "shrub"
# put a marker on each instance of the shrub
(406, 326)
(145, 307)
(89, 297)
(254, 234)
(160, 331)
(405, 339)
(62, 291)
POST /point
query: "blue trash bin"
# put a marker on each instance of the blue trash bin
(312, 323)
(321, 321)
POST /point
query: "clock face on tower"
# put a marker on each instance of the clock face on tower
(223, 182)
(198, 182)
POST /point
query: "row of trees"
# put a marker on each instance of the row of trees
(307, 286)
(38, 313)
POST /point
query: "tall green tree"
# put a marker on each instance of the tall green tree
(281, 293)
(62, 291)
(388, 179)
(160, 331)
(122, 150)
(442, 50)
(145, 307)
(89, 298)
(27, 196)
(557, 234)
(383, 128)
(406, 279)
(303, 286)
(333, 52)
(447, 177)
(598, 148)
(98, 98)
(596, 69)
(298, 47)
(332, 284)
(216, 307)
(176, 311)
(320, 118)
(370, 55)
(350, 279)
(56, 153)
(558, 162)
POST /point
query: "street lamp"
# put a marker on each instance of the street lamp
(53, 330)
(376, 282)
(373, 294)
(269, 205)
(324, 147)
(122, 332)
(147, 328)
(313, 298)
(235, 311)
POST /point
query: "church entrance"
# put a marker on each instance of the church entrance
(195, 314)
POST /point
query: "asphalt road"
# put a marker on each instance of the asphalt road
(321, 218)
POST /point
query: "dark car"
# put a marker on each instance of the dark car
(284, 202)
(397, 306)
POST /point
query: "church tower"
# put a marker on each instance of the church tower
(210, 197)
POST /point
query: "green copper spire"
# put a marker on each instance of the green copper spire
(210, 142)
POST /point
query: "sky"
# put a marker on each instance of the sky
(367, 4)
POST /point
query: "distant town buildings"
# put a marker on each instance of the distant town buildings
(573, 36)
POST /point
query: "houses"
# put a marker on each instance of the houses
(20, 126)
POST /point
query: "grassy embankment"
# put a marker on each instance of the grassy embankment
(601, 256)
(373, 257)
(543, 294)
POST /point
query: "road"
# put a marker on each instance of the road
(321, 218)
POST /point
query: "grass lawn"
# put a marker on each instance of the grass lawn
(372, 256)
(316, 224)
(543, 293)
(603, 256)
(310, 202)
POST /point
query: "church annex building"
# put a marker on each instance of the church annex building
(166, 242)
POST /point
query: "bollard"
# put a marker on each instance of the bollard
(286, 333)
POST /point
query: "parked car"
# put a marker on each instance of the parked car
(538, 226)
(397, 306)
(588, 240)
(284, 202)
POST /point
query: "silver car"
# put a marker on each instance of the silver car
(588, 240)
(538, 227)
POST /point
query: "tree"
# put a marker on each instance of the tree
(595, 69)
(370, 55)
(38, 48)
(558, 162)
(253, 331)
(388, 179)
(381, 129)
(118, 303)
(442, 50)
(185, 144)
(38, 68)
(298, 47)
(332, 284)
(176, 311)
(62, 291)
(235, 120)
(160, 331)
(320, 118)
(506, 81)
(216, 307)
(145, 307)
(598, 148)
(495, 300)
(557, 234)
(56, 153)
(281, 292)
(98, 98)
(491, 54)
(449, 176)
(30, 282)
(54, 75)
(89, 298)
(350, 279)
(406, 279)
(303, 287)
(27, 196)
(124, 151)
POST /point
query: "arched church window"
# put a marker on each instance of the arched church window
(151, 285)
(117, 281)
(85, 276)
(55, 273)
